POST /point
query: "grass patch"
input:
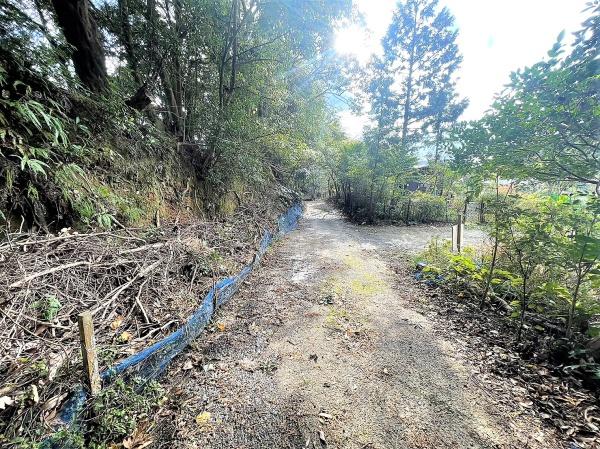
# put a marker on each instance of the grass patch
(366, 284)
(337, 318)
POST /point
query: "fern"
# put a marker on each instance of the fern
(105, 220)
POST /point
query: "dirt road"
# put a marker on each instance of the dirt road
(323, 349)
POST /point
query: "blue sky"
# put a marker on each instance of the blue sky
(496, 37)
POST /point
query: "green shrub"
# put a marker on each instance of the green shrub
(119, 407)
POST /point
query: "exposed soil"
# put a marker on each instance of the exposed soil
(323, 348)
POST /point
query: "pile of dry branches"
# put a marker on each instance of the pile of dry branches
(140, 284)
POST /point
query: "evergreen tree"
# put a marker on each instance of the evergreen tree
(421, 57)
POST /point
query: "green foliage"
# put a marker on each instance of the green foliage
(410, 91)
(115, 413)
(68, 438)
(253, 110)
(105, 220)
(549, 254)
(425, 207)
(544, 125)
(542, 134)
(37, 123)
(119, 407)
(442, 263)
(437, 253)
(48, 307)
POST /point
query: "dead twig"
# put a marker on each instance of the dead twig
(143, 248)
(139, 303)
(33, 276)
(116, 272)
(108, 300)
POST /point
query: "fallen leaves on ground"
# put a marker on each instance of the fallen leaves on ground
(139, 439)
(117, 323)
(540, 388)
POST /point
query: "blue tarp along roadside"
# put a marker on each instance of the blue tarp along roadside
(151, 362)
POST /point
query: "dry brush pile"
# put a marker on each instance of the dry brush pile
(140, 284)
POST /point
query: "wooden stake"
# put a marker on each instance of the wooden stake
(88, 351)
(455, 238)
(459, 233)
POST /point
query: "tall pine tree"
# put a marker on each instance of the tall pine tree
(417, 70)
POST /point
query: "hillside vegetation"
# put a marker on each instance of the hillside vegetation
(145, 148)
(113, 111)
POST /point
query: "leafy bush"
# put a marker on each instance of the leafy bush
(548, 260)
(118, 409)
(424, 207)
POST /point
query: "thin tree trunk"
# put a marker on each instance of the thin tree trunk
(488, 281)
(438, 139)
(523, 309)
(409, 85)
(495, 251)
(569, 330)
(406, 114)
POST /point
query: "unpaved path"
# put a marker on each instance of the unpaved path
(322, 349)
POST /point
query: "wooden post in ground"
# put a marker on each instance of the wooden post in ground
(455, 238)
(88, 351)
(458, 235)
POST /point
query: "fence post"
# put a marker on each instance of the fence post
(460, 232)
(458, 235)
(88, 352)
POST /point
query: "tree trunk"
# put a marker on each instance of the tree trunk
(569, 330)
(523, 309)
(173, 116)
(488, 281)
(438, 138)
(371, 203)
(406, 113)
(127, 41)
(75, 19)
(409, 85)
(490, 275)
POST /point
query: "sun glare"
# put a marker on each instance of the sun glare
(352, 41)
